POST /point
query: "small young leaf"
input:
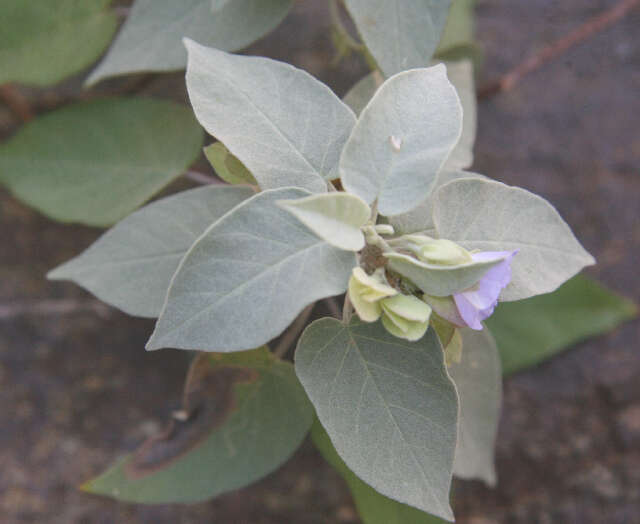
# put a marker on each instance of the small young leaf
(388, 406)
(402, 139)
(247, 277)
(373, 507)
(131, 265)
(243, 415)
(334, 217)
(478, 381)
(151, 38)
(359, 95)
(95, 162)
(579, 309)
(44, 42)
(490, 216)
(284, 125)
(439, 280)
(461, 76)
(401, 34)
(227, 166)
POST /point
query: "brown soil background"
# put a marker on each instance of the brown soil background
(77, 390)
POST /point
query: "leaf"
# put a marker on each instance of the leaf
(131, 265)
(478, 380)
(151, 38)
(400, 34)
(95, 162)
(247, 277)
(44, 42)
(490, 216)
(359, 95)
(243, 415)
(579, 309)
(458, 31)
(335, 217)
(373, 507)
(227, 166)
(285, 126)
(461, 76)
(388, 406)
(420, 219)
(439, 280)
(402, 139)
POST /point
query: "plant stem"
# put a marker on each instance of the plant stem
(347, 309)
(16, 102)
(202, 178)
(293, 332)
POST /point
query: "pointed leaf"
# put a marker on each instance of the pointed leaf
(247, 277)
(227, 166)
(439, 280)
(579, 309)
(151, 38)
(373, 507)
(490, 216)
(95, 162)
(44, 42)
(284, 125)
(334, 217)
(401, 34)
(131, 265)
(388, 406)
(402, 139)
(243, 416)
(478, 380)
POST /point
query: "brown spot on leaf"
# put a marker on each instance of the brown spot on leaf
(209, 399)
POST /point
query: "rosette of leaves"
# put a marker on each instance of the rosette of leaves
(226, 270)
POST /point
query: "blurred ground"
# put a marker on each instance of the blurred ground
(77, 390)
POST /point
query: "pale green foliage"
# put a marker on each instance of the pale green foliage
(131, 265)
(461, 76)
(436, 279)
(151, 38)
(95, 162)
(458, 31)
(579, 309)
(478, 380)
(44, 41)
(285, 126)
(405, 316)
(247, 277)
(247, 415)
(388, 406)
(337, 218)
(227, 166)
(359, 95)
(373, 507)
(400, 34)
(490, 216)
(402, 139)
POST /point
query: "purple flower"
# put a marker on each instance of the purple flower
(478, 302)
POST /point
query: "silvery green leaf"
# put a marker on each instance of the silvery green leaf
(216, 5)
(461, 76)
(478, 379)
(131, 265)
(490, 216)
(420, 219)
(247, 277)
(43, 42)
(402, 139)
(244, 415)
(359, 95)
(95, 162)
(285, 126)
(151, 38)
(400, 34)
(337, 218)
(388, 405)
(439, 280)
(227, 166)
